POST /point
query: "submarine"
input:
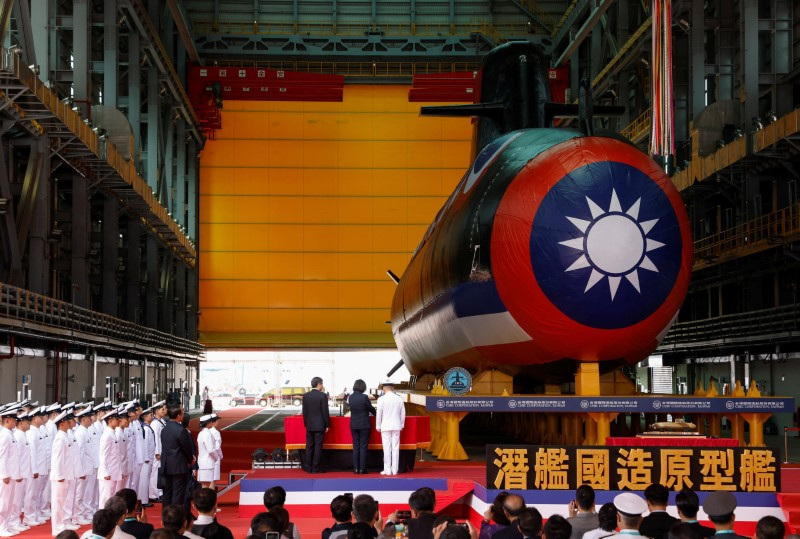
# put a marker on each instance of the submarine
(558, 246)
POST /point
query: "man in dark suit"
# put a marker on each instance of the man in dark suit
(135, 523)
(316, 418)
(658, 522)
(688, 504)
(177, 456)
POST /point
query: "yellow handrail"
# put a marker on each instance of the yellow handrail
(638, 128)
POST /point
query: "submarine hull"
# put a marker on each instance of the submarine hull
(555, 248)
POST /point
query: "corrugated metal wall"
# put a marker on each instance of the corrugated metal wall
(303, 208)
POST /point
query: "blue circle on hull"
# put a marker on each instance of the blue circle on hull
(606, 245)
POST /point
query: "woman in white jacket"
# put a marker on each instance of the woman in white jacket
(206, 453)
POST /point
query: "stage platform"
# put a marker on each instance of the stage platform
(461, 491)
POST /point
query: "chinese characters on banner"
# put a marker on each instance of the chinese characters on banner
(534, 467)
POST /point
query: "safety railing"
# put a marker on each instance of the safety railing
(532, 7)
(564, 17)
(749, 237)
(638, 128)
(206, 27)
(41, 315)
(751, 326)
(359, 69)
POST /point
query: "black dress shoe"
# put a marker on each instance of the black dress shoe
(363, 472)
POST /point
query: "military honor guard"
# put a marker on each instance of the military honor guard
(33, 507)
(86, 476)
(158, 424)
(109, 473)
(21, 489)
(62, 475)
(389, 421)
(9, 469)
(149, 454)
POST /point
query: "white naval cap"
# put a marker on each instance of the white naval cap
(10, 412)
(84, 412)
(204, 420)
(63, 416)
(159, 404)
(53, 408)
(629, 503)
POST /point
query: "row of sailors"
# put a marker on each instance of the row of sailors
(63, 462)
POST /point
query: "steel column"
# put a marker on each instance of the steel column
(179, 207)
(80, 241)
(9, 250)
(151, 289)
(38, 270)
(167, 293)
(153, 120)
(750, 58)
(193, 181)
(135, 90)
(110, 250)
(698, 59)
(40, 26)
(167, 196)
(110, 54)
(81, 54)
(22, 14)
(180, 305)
(133, 271)
(191, 303)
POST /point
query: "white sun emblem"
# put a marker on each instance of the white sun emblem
(614, 244)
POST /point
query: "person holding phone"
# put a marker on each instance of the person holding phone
(360, 410)
(342, 513)
(135, 521)
(582, 516)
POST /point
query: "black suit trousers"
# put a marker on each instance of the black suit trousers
(175, 488)
(360, 442)
(314, 449)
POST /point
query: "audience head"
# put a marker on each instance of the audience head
(316, 382)
(719, 507)
(282, 515)
(629, 510)
(513, 505)
(422, 499)
(175, 412)
(682, 530)
(173, 517)
(443, 519)
(557, 527)
(360, 386)
(67, 534)
(263, 523)
(770, 527)
(163, 533)
(498, 513)
(129, 496)
(454, 531)
(342, 508)
(656, 495)
(365, 508)
(687, 503)
(116, 505)
(205, 500)
(584, 497)
(273, 497)
(530, 522)
(103, 523)
(607, 515)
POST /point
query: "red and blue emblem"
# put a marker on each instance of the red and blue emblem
(607, 249)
